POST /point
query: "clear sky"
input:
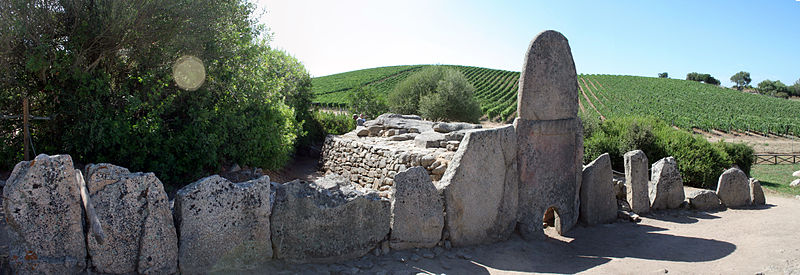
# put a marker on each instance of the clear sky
(642, 37)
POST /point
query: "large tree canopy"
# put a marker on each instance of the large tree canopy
(102, 70)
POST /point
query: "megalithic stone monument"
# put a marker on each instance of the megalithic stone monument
(549, 136)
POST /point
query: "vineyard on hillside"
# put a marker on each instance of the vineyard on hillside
(685, 104)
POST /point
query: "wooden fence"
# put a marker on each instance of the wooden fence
(777, 158)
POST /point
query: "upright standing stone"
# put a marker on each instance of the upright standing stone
(666, 185)
(42, 206)
(417, 210)
(756, 193)
(549, 136)
(321, 222)
(548, 84)
(223, 225)
(733, 188)
(636, 177)
(135, 215)
(480, 187)
(598, 201)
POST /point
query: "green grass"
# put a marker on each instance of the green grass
(682, 103)
(776, 177)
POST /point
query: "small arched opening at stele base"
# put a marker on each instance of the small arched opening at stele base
(551, 222)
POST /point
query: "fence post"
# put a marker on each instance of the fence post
(26, 134)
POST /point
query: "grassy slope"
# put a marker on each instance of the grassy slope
(686, 104)
(776, 177)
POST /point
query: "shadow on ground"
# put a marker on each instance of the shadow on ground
(581, 249)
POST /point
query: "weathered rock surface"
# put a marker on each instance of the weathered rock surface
(429, 140)
(666, 185)
(135, 215)
(794, 183)
(402, 137)
(733, 188)
(796, 173)
(756, 193)
(598, 201)
(412, 123)
(548, 79)
(550, 155)
(704, 200)
(447, 127)
(417, 210)
(223, 225)
(480, 188)
(636, 181)
(42, 206)
(313, 224)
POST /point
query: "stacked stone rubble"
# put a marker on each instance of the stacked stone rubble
(373, 163)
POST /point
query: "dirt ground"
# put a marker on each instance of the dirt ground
(761, 144)
(734, 241)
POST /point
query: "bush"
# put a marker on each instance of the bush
(362, 100)
(436, 93)
(699, 161)
(404, 99)
(117, 102)
(452, 100)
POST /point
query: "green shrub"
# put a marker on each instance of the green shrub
(117, 102)
(740, 154)
(452, 100)
(699, 161)
(436, 93)
(404, 99)
(365, 101)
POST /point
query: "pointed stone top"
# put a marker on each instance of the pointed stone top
(548, 87)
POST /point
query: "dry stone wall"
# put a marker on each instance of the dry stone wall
(372, 155)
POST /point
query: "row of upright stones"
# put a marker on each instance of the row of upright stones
(662, 187)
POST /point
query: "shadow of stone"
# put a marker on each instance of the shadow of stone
(683, 216)
(597, 245)
(582, 249)
(755, 207)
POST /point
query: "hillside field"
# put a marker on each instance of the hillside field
(685, 104)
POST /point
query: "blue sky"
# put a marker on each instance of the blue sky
(607, 37)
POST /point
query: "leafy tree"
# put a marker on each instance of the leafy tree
(102, 70)
(366, 101)
(404, 99)
(452, 100)
(773, 88)
(741, 79)
(436, 93)
(663, 75)
(794, 90)
(707, 78)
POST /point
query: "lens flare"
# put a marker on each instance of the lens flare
(189, 72)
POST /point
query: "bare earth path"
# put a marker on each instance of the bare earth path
(734, 241)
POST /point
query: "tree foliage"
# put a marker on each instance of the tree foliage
(663, 75)
(705, 78)
(773, 88)
(452, 100)
(404, 99)
(102, 70)
(741, 79)
(364, 100)
(436, 93)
